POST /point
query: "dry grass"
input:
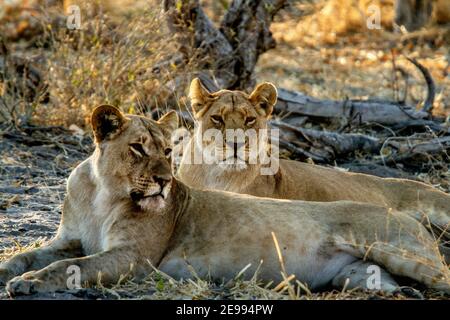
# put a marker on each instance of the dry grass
(109, 65)
(120, 59)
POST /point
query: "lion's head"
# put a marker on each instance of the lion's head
(132, 156)
(229, 111)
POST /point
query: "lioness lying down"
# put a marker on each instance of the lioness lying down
(124, 211)
(235, 110)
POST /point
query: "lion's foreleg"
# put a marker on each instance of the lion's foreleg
(106, 267)
(39, 258)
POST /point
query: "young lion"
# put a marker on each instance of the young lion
(226, 109)
(124, 211)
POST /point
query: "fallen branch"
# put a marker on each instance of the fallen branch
(342, 144)
(429, 101)
(327, 147)
(405, 150)
(356, 111)
(414, 125)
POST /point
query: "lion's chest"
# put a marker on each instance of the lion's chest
(94, 227)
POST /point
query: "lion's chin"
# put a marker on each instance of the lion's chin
(153, 203)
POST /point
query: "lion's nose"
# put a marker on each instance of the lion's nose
(235, 146)
(162, 180)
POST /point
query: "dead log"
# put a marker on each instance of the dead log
(415, 125)
(355, 111)
(325, 146)
(404, 149)
(299, 153)
(360, 111)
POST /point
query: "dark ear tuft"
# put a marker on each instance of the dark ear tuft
(106, 120)
(264, 97)
(198, 95)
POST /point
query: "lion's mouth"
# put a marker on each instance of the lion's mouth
(153, 198)
(139, 195)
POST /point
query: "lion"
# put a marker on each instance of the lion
(125, 214)
(236, 110)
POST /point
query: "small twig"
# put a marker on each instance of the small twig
(429, 101)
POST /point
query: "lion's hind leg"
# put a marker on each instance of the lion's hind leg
(367, 275)
(410, 258)
(399, 244)
(429, 206)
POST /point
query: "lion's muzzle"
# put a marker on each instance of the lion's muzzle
(149, 191)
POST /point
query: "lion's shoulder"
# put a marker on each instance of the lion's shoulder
(81, 178)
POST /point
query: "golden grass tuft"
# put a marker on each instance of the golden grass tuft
(125, 57)
(113, 62)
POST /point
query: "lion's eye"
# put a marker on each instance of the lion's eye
(216, 119)
(137, 149)
(167, 152)
(250, 120)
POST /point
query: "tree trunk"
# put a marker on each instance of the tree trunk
(229, 54)
(412, 14)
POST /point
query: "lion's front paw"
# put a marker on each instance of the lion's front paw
(22, 285)
(36, 282)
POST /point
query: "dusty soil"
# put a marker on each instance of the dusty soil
(34, 166)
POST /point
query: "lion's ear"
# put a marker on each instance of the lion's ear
(168, 123)
(264, 97)
(198, 95)
(106, 120)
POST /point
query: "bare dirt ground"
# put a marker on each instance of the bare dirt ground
(34, 167)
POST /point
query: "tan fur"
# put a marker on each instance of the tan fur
(296, 180)
(124, 211)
